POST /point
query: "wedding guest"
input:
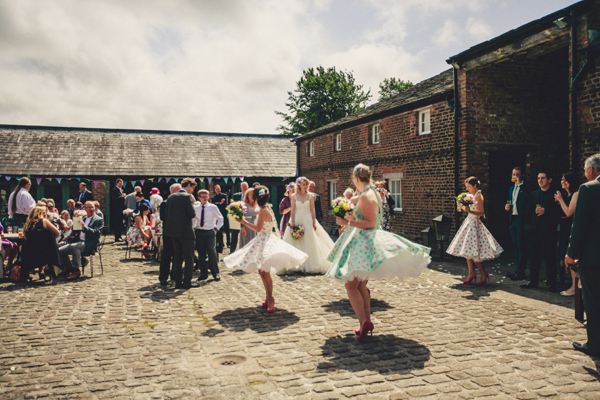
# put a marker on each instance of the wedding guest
(78, 206)
(155, 199)
(71, 207)
(178, 227)
(285, 206)
(364, 251)
(168, 249)
(255, 184)
(251, 213)
(66, 226)
(38, 254)
(97, 207)
(84, 194)
(518, 198)
(235, 232)
(117, 205)
(20, 202)
(348, 193)
(387, 205)
(140, 233)
(139, 199)
(570, 184)
(9, 250)
(583, 247)
(130, 199)
(266, 253)
(82, 242)
(208, 221)
(318, 208)
(52, 214)
(221, 201)
(472, 240)
(542, 219)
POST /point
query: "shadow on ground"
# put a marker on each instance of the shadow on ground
(256, 319)
(344, 308)
(386, 354)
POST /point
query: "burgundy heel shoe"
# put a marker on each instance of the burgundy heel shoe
(366, 328)
(264, 303)
(271, 309)
(470, 279)
(485, 278)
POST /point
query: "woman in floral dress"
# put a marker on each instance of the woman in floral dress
(473, 241)
(364, 251)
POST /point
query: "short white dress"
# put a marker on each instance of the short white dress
(266, 252)
(473, 241)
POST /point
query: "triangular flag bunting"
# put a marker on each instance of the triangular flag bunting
(242, 178)
(39, 180)
(233, 178)
(50, 179)
(151, 179)
(175, 179)
(167, 180)
(58, 179)
(159, 179)
(201, 179)
(8, 177)
(226, 179)
(142, 181)
(132, 183)
(78, 179)
(209, 180)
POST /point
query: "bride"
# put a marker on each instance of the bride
(315, 242)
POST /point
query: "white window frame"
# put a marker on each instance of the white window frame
(425, 121)
(332, 190)
(375, 132)
(338, 142)
(311, 148)
(395, 188)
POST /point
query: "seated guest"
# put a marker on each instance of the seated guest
(67, 224)
(83, 242)
(71, 207)
(140, 233)
(97, 208)
(8, 250)
(52, 213)
(38, 252)
(79, 206)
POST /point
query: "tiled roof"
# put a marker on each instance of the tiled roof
(53, 151)
(420, 92)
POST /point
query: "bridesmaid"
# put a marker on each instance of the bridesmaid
(364, 251)
(246, 235)
(570, 184)
(285, 206)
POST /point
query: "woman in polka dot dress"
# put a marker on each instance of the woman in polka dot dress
(364, 251)
(266, 253)
(473, 241)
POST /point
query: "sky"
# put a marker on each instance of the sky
(221, 65)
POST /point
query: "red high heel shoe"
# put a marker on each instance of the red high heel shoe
(470, 279)
(271, 309)
(264, 303)
(366, 328)
(485, 278)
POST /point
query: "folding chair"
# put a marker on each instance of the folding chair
(99, 253)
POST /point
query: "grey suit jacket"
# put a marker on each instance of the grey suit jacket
(584, 243)
(180, 215)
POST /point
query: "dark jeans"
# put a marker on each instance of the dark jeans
(543, 245)
(234, 240)
(183, 250)
(590, 281)
(165, 259)
(518, 240)
(205, 244)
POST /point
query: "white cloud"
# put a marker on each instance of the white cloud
(448, 34)
(478, 29)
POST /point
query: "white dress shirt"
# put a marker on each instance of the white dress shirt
(25, 202)
(515, 195)
(213, 219)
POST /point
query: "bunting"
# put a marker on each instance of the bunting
(209, 180)
(233, 178)
(142, 181)
(241, 178)
(167, 180)
(226, 179)
(59, 179)
(8, 177)
(38, 180)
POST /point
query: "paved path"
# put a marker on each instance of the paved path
(120, 336)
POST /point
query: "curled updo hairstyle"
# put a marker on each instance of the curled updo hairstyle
(473, 181)
(362, 173)
(261, 195)
(299, 182)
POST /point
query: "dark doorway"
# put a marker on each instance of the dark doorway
(501, 164)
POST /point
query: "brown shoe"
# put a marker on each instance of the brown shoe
(74, 275)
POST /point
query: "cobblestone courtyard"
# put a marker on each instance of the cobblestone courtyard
(119, 335)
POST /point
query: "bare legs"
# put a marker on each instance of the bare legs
(360, 299)
(571, 290)
(268, 284)
(471, 265)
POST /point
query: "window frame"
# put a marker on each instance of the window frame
(422, 112)
(311, 148)
(391, 178)
(338, 142)
(373, 141)
(332, 194)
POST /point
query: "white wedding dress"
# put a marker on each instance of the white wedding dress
(317, 244)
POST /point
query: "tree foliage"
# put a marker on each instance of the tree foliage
(391, 87)
(321, 96)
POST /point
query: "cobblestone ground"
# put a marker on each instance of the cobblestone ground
(118, 335)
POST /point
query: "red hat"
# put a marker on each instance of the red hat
(154, 191)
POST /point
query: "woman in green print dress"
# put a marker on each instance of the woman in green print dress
(364, 251)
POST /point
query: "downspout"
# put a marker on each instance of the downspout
(456, 141)
(573, 92)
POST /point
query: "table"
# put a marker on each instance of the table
(14, 237)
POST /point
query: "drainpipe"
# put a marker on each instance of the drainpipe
(456, 141)
(574, 136)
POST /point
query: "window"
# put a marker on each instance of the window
(332, 191)
(424, 122)
(395, 187)
(375, 134)
(338, 142)
(311, 148)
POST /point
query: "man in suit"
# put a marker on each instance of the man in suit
(117, 205)
(542, 214)
(130, 200)
(517, 202)
(84, 194)
(584, 248)
(71, 207)
(221, 201)
(83, 242)
(168, 250)
(178, 227)
(318, 209)
(239, 196)
(208, 222)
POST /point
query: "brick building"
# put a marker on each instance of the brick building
(529, 97)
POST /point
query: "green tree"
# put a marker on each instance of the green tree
(391, 87)
(321, 96)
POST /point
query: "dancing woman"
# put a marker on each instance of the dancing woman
(266, 253)
(364, 251)
(472, 240)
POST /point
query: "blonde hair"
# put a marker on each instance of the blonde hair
(362, 172)
(250, 190)
(348, 190)
(299, 182)
(36, 215)
(65, 212)
(203, 191)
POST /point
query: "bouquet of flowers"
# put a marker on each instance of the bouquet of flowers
(341, 206)
(465, 199)
(236, 209)
(297, 231)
